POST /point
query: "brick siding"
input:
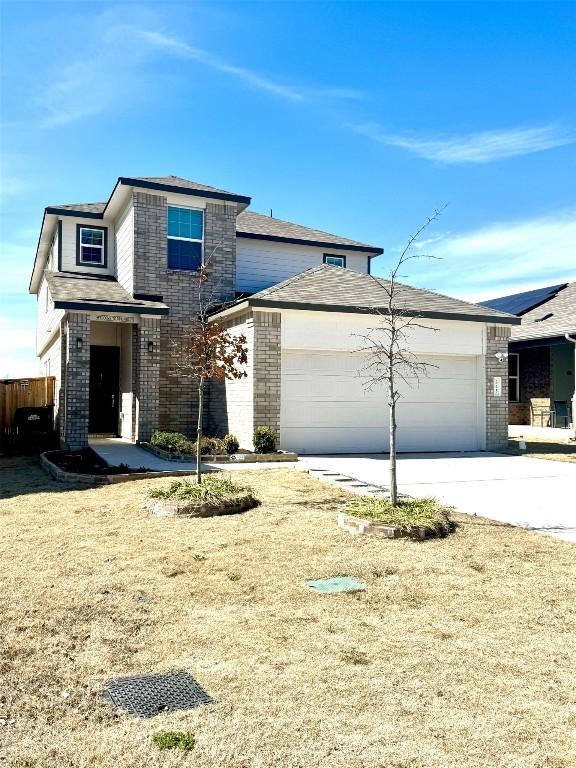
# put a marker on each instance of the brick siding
(496, 406)
(177, 397)
(239, 406)
(76, 381)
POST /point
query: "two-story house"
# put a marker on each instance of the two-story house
(117, 283)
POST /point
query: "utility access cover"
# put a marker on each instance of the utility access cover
(148, 695)
(337, 584)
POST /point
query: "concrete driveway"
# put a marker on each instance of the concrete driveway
(537, 494)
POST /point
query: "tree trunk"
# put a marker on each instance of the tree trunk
(393, 481)
(199, 430)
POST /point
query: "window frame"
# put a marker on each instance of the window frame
(104, 247)
(514, 378)
(186, 239)
(327, 256)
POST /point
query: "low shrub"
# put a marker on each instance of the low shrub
(208, 446)
(407, 515)
(175, 442)
(230, 444)
(174, 740)
(213, 488)
(265, 440)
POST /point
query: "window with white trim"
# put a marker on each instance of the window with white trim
(336, 261)
(92, 246)
(185, 230)
(514, 377)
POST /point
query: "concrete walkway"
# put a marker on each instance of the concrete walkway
(117, 450)
(537, 494)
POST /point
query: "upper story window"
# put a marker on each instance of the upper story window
(185, 238)
(91, 246)
(336, 261)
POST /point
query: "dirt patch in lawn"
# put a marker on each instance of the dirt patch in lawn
(459, 654)
(540, 448)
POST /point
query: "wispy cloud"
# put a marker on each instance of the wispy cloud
(182, 49)
(114, 66)
(473, 148)
(501, 258)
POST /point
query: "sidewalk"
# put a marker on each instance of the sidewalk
(117, 450)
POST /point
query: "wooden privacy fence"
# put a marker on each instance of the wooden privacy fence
(22, 393)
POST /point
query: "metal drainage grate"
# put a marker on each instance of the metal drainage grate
(148, 695)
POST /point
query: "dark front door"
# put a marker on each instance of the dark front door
(104, 389)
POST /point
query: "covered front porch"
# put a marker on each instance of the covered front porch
(541, 383)
(110, 377)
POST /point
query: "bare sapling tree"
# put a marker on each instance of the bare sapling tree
(206, 351)
(388, 358)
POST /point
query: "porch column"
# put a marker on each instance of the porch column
(76, 384)
(497, 338)
(147, 368)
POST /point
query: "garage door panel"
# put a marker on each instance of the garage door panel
(437, 415)
(331, 440)
(439, 390)
(325, 407)
(450, 368)
(347, 415)
(327, 388)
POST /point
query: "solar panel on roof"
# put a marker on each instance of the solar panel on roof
(520, 303)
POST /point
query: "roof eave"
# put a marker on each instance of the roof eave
(214, 195)
(34, 277)
(319, 243)
(74, 212)
(129, 309)
(347, 309)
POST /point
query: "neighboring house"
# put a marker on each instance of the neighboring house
(116, 282)
(541, 360)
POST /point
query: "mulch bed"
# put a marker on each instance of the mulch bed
(88, 462)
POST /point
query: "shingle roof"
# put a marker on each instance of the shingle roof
(95, 292)
(84, 207)
(335, 289)
(554, 317)
(259, 226)
(178, 181)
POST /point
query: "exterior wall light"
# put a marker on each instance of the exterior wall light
(79, 343)
(501, 356)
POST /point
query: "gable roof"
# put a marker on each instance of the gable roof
(73, 290)
(260, 227)
(158, 183)
(327, 288)
(183, 186)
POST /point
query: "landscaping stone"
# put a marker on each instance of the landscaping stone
(359, 526)
(232, 506)
(223, 458)
(74, 477)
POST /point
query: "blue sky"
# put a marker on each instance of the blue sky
(356, 118)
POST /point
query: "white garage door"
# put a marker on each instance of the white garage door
(326, 408)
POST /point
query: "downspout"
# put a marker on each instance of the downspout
(573, 340)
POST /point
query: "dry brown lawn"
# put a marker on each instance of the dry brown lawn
(460, 654)
(541, 448)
